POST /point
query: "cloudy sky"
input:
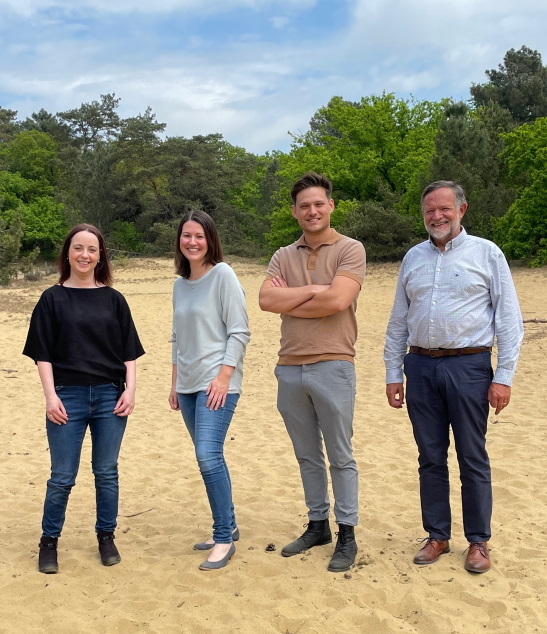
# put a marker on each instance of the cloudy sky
(252, 69)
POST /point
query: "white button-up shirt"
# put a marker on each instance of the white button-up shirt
(462, 297)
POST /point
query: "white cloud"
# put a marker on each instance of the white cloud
(77, 7)
(423, 44)
(252, 89)
(279, 22)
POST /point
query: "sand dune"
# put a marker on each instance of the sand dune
(158, 588)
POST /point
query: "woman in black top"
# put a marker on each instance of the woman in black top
(85, 345)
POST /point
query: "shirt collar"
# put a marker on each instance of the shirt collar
(332, 238)
(455, 242)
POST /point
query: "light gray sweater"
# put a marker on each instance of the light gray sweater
(210, 329)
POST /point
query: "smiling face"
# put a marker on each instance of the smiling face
(83, 253)
(442, 216)
(313, 210)
(193, 243)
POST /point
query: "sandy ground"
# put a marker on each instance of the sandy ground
(158, 588)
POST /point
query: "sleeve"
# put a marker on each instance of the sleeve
(173, 339)
(397, 332)
(508, 325)
(41, 335)
(131, 343)
(234, 315)
(274, 267)
(353, 262)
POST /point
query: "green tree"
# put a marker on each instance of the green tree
(11, 259)
(367, 148)
(139, 167)
(9, 126)
(10, 247)
(125, 237)
(27, 186)
(255, 200)
(203, 172)
(93, 122)
(110, 170)
(376, 149)
(467, 148)
(522, 232)
(89, 186)
(32, 154)
(44, 121)
(518, 85)
(387, 234)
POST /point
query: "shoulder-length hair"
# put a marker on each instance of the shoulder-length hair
(214, 248)
(102, 272)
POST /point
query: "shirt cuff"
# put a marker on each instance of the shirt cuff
(394, 375)
(230, 360)
(503, 376)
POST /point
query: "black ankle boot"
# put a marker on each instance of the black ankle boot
(345, 550)
(47, 557)
(317, 533)
(107, 548)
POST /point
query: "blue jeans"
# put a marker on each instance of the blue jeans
(85, 406)
(208, 431)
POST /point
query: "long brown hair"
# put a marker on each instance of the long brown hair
(214, 248)
(102, 272)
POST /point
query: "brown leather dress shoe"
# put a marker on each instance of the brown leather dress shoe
(478, 557)
(432, 550)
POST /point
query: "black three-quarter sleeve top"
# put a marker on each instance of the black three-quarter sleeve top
(86, 334)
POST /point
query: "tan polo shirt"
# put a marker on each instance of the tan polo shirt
(322, 338)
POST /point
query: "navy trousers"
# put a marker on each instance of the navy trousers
(452, 392)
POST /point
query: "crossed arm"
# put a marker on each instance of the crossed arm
(310, 301)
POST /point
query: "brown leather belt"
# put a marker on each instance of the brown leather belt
(446, 352)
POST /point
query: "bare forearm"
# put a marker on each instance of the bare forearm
(225, 373)
(283, 300)
(174, 376)
(131, 375)
(55, 410)
(173, 399)
(321, 305)
(336, 298)
(45, 371)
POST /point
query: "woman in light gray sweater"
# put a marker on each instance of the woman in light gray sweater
(210, 334)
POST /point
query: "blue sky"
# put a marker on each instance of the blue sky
(252, 70)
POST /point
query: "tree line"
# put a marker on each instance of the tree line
(134, 182)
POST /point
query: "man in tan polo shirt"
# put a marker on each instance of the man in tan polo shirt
(313, 284)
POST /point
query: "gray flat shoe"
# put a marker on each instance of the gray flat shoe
(215, 565)
(206, 546)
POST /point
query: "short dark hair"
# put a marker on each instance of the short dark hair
(311, 179)
(457, 190)
(214, 248)
(102, 272)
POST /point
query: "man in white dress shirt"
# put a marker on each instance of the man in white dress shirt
(454, 296)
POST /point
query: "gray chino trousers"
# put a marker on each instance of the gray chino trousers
(316, 402)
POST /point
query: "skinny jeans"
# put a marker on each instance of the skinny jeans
(208, 429)
(86, 406)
